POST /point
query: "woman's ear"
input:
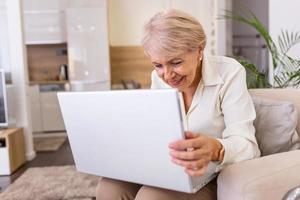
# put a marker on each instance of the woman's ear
(200, 52)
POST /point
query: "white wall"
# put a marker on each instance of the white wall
(4, 61)
(285, 15)
(18, 66)
(127, 18)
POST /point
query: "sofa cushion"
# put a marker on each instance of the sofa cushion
(275, 126)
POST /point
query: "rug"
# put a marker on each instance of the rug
(48, 143)
(52, 183)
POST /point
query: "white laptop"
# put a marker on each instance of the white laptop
(125, 135)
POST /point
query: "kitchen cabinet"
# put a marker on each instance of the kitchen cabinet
(44, 27)
(51, 114)
(35, 108)
(88, 47)
(44, 22)
(45, 111)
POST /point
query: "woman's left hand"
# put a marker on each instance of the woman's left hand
(195, 152)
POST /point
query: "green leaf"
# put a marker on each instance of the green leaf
(255, 78)
(286, 68)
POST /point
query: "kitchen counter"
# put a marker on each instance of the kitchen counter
(47, 82)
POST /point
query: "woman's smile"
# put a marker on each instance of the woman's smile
(176, 82)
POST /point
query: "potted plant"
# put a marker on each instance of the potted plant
(286, 68)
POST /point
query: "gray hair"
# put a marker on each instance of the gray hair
(173, 32)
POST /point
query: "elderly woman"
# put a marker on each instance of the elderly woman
(219, 109)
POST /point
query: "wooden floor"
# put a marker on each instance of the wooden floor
(63, 156)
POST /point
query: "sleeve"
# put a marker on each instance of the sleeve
(238, 137)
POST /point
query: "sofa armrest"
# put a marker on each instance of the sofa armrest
(269, 177)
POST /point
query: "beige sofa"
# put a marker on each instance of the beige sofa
(268, 177)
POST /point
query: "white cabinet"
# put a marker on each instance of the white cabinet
(44, 27)
(51, 114)
(45, 111)
(35, 108)
(44, 22)
(88, 48)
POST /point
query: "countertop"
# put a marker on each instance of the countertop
(47, 82)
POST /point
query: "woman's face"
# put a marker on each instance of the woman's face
(181, 72)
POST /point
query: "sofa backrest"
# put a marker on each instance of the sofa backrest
(291, 95)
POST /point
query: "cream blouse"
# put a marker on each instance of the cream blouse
(222, 108)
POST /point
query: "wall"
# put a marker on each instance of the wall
(4, 61)
(18, 66)
(127, 18)
(285, 16)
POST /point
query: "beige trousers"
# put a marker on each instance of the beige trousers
(109, 189)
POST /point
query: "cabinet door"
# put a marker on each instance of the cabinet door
(43, 5)
(88, 47)
(51, 114)
(35, 106)
(44, 27)
(44, 21)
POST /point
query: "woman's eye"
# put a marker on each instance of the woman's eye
(176, 64)
(158, 66)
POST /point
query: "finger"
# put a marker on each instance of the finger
(196, 164)
(196, 172)
(186, 144)
(187, 155)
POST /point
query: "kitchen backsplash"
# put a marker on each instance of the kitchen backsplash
(128, 63)
(44, 61)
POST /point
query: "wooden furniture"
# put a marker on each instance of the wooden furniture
(12, 150)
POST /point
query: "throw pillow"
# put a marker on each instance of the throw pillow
(275, 126)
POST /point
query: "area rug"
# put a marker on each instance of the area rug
(52, 183)
(48, 144)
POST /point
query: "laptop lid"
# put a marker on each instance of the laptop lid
(125, 134)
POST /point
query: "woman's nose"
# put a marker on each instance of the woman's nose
(167, 73)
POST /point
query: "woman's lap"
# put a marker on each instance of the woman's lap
(109, 189)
